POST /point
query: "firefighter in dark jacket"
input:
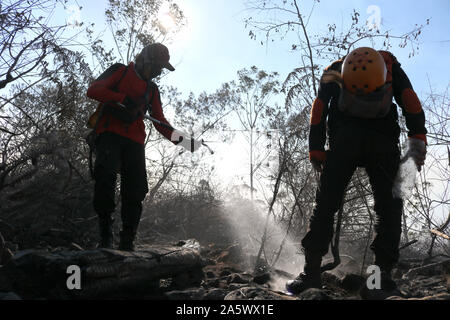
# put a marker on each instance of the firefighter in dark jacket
(121, 136)
(354, 108)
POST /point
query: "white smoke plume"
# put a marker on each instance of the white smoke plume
(248, 222)
(405, 179)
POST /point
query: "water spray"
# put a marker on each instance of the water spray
(405, 179)
(406, 175)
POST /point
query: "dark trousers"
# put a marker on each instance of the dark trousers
(379, 154)
(116, 154)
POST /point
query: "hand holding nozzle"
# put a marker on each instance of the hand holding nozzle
(179, 137)
(188, 142)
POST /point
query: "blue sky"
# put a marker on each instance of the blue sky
(216, 44)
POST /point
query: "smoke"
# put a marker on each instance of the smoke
(405, 179)
(248, 221)
(406, 176)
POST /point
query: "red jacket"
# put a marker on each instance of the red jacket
(113, 86)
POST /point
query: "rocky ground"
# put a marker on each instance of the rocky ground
(226, 279)
(207, 273)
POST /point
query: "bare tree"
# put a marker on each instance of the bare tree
(133, 25)
(253, 103)
(26, 38)
(428, 209)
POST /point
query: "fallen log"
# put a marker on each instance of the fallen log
(104, 273)
(430, 269)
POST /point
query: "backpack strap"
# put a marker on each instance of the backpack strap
(121, 78)
(115, 88)
(92, 136)
(148, 100)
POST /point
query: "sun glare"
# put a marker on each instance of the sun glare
(166, 21)
(165, 18)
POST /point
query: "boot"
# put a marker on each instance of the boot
(304, 281)
(386, 266)
(127, 240)
(106, 233)
(309, 278)
(387, 283)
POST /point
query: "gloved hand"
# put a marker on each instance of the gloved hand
(181, 139)
(317, 159)
(417, 150)
(133, 107)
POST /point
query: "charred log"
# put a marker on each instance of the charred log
(104, 273)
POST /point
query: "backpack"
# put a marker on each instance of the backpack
(94, 118)
(114, 110)
(374, 105)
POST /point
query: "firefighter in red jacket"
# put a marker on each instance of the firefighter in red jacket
(354, 108)
(121, 136)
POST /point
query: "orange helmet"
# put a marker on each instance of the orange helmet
(363, 71)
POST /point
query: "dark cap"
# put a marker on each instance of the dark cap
(157, 52)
